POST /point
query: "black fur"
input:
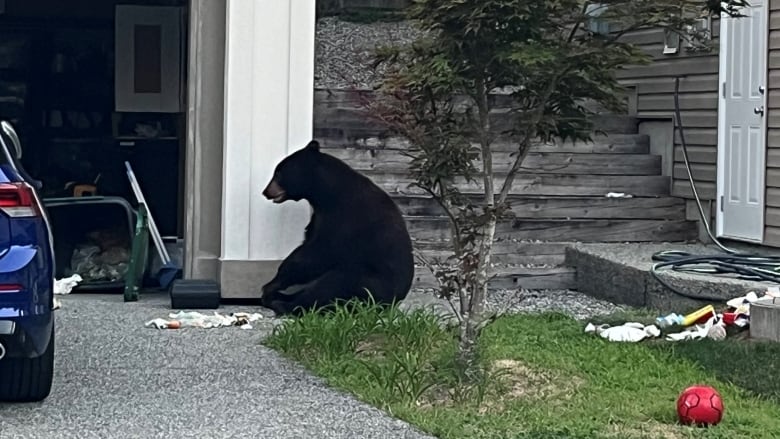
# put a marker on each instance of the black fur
(355, 243)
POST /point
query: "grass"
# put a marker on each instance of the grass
(544, 377)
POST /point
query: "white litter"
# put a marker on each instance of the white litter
(747, 299)
(191, 319)
(619, 195)
(713, 329)
(627, 332)
(66, 285)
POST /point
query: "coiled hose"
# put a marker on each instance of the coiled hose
(745, 266)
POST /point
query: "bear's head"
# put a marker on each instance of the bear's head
(292, 176)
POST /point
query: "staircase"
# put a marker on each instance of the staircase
(560, 199)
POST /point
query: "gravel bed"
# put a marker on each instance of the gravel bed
(572, 303)
(344, 51)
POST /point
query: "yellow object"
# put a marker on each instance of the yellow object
(693, 317)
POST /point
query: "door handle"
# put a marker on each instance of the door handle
(759, 110)
(761, 89)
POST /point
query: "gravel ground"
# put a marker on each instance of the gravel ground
(116, 378)
(571, 303)
(344, 51)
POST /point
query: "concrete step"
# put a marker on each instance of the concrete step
(552, 207)
(512, 277)
(600, 144)
(582, 230)
(540, 184)
(535, 163)
(620, 273)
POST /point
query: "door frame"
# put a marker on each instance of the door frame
(721, 173)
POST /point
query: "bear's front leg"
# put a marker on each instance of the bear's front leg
(300, 267)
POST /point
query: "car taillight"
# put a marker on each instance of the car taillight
(10, 288)
(18, 200)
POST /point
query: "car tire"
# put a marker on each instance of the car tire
(28, 379)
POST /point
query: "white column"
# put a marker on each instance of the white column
(269, 92)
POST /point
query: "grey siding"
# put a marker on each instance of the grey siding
(772, 219)
(698, 104)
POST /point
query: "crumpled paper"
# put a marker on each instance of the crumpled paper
(191, 319)
(627, 332)
(713, 329)
(742, 304)
(619, 195)
(66, 285)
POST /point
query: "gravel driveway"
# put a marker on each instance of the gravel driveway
(117, 379)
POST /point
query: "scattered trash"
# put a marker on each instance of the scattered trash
(713, 329)
(66, 285)
(104, 256)
(735, 319)
(193, 319)
(619, 195)
(705, 322)
(627, 332)
(699, 316)
(96, 265)
(57, 304)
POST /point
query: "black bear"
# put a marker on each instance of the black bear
(355, 244)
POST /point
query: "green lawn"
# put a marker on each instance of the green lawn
(547, 378)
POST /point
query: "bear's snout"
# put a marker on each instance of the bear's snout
(275, 192)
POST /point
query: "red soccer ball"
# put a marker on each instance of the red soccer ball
(700, 405)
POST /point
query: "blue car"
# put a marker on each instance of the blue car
(26, 281)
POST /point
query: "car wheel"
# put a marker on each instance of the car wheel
(27, 379)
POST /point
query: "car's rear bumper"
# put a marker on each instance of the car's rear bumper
(25, 313)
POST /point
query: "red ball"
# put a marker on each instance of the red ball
(700, 405)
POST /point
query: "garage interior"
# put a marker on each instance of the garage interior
(90, 84)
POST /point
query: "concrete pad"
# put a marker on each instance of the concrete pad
(621, 273)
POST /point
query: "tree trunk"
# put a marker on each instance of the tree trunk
(468, 357)
(474, 316)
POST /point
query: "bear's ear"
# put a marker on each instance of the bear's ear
(313, 146)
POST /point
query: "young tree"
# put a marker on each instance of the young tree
(548, 57)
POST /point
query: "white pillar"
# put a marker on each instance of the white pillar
(269, 92)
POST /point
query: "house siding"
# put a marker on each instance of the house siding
(654, 85)
(699, 109)
(772, 218)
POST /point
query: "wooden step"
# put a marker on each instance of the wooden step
(504, 252)
(535, 163)
(508, 277)
(600, 144)
(552, 207)
(345, 110)
(582, 230)
(352, 122)
(541, 184)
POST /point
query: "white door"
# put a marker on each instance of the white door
(742, 124)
